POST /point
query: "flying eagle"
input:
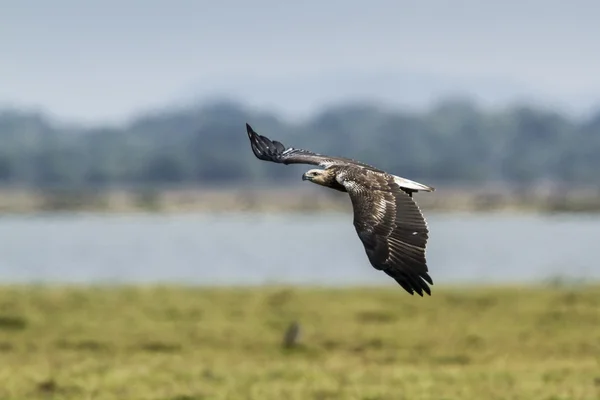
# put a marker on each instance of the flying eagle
(388, 222)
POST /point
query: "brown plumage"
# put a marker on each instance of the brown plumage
(390, 225)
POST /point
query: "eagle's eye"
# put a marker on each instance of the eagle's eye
(310, 175)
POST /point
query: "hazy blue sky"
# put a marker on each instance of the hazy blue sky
(92, 60)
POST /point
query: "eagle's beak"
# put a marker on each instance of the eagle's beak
(304, 177)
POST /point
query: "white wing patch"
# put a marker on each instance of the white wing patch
(340, 178)
(327, 164)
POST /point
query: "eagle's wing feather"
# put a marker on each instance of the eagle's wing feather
(271, 150)
(390, 226)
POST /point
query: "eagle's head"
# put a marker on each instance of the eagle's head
(318, 176)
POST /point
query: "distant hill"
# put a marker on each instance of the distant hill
(454, 142)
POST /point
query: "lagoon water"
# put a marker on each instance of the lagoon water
(230, 248)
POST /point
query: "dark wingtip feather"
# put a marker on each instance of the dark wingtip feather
(250, 132)
(423, 284)
(253, 136)
(427, 289)
(258, 147)
(263, 147)
(427, 277)
(410, 284)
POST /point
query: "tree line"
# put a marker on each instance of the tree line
(455, 142)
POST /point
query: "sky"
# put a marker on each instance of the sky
(107, 61)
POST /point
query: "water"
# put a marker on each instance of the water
(291, 249)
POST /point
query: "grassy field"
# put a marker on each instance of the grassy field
(374, 343)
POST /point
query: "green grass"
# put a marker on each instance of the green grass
(375, 343)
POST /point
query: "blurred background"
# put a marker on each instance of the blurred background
(124, 156)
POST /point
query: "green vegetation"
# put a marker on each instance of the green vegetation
(454, 143)
(372, 343)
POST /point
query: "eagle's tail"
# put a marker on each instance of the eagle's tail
(412, 185)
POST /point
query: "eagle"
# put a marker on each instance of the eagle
(388, 222)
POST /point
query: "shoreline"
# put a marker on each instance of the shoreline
(281, 200)
(551, 283)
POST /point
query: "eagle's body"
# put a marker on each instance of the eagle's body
(387, 220)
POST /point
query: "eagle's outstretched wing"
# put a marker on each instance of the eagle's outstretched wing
(390, 226)
(271, 150)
